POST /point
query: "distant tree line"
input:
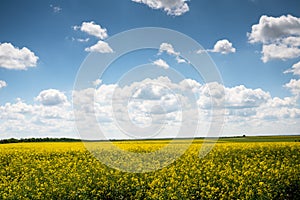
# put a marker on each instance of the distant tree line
(13, 140)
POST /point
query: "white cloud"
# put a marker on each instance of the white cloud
(20, 120)
(96, 30)
(270, 29)
(100, 47)
(291, 41)
(51, 97)
(15, 111)
(56, 9)
(279, 36)
(295, 69)
(161, 63)
(278, 102)
(277, 108)
(83, 40)
(168, 48)
(148, 104)
(97, 82)
(14, 58)
(173, 7)
(2, 84)
(294, 87)
(150, 91)
(93, 29)
(155, 103)
(279, 51)
(238, 97)
(180, 60)
(223, 47)
(242, 97)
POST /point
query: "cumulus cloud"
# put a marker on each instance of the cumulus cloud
(295, 69)
(92, 29)
(156, 103)
(147, 104)
(238, 97)
(169, 49)
(279, 109)
(2, 84)
(279, 51)
(100, 47)
(20, 119)
(279, 36)
(294, 87)
(242, 97)
(96, 30)
(221, 46)
(51, 97)
(180, 60)
(14, 58)
(161, 63)
(174, 7)
(97, 82)
(270, 29)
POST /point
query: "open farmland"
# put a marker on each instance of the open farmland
(236, 168)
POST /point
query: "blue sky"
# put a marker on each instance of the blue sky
(51, 31)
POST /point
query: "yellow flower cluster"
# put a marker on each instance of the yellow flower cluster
(266, 170)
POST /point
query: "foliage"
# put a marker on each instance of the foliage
(13, 140)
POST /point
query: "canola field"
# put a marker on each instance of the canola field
(232, 170)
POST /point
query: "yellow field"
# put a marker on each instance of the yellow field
(252, 170)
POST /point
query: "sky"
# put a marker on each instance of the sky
(254, 45)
